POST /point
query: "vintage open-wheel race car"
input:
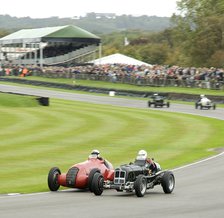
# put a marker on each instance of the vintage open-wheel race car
(80, 175)
(205, 103)
(134, 178)
(158, 101)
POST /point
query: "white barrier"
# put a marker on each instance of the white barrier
(111, 93)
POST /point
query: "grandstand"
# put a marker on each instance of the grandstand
(49, 46)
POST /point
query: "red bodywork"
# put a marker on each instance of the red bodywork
(77, 176)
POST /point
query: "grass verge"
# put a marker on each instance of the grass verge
(34, 139)
(12, 100)
(120, 86)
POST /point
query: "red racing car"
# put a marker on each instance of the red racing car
(81, 175)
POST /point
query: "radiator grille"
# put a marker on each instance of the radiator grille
(119, 177)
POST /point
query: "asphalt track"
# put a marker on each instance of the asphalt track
(199, 190)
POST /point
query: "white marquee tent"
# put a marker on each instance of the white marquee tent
(119, 59)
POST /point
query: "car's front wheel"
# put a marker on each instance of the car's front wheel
(90, 177)
(168, 182)
(140, 186)
(97, 183)
(53, 179)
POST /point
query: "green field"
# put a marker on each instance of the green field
(35, 138)
(120, 86)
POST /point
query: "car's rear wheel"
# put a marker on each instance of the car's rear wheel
(90, 177)
(53, 178)
(140, 186)
(97, 184)
(196, 105)
(168, 182)
(119, 190)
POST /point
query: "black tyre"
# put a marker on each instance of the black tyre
(53, 178)
(140, 186)
(168, 182)
(149, 103)
(196, 105)
(119, 190)
(90, 177)
(97, 184)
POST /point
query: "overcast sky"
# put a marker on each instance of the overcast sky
(72, 8)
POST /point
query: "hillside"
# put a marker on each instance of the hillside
(91, 22)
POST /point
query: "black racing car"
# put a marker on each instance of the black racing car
(134, 177)
(158, 101)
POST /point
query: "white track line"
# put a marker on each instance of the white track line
(198, 162)
(42, 193)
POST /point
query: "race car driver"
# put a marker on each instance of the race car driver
(152, 166)
(95, 154)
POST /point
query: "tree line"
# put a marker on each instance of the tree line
(91, 22)
(196, 38)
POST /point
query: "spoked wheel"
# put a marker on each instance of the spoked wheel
(168, 182)
(140, 186)
(53, 178)
(97, 183)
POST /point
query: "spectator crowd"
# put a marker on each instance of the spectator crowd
(131, 74)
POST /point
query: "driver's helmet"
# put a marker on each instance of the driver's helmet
(142, 155)
(156, 94)
(94, 154)
(202, 96)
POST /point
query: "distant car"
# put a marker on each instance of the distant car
(205, 103)
(80, 175)
(134, 178)
(158, 101)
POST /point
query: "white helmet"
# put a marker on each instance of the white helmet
(94, 153)
(202, 96)
(142, 155)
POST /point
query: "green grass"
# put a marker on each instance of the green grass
(118, 86)
(34, 139)
(110, 85)
(13, 100)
